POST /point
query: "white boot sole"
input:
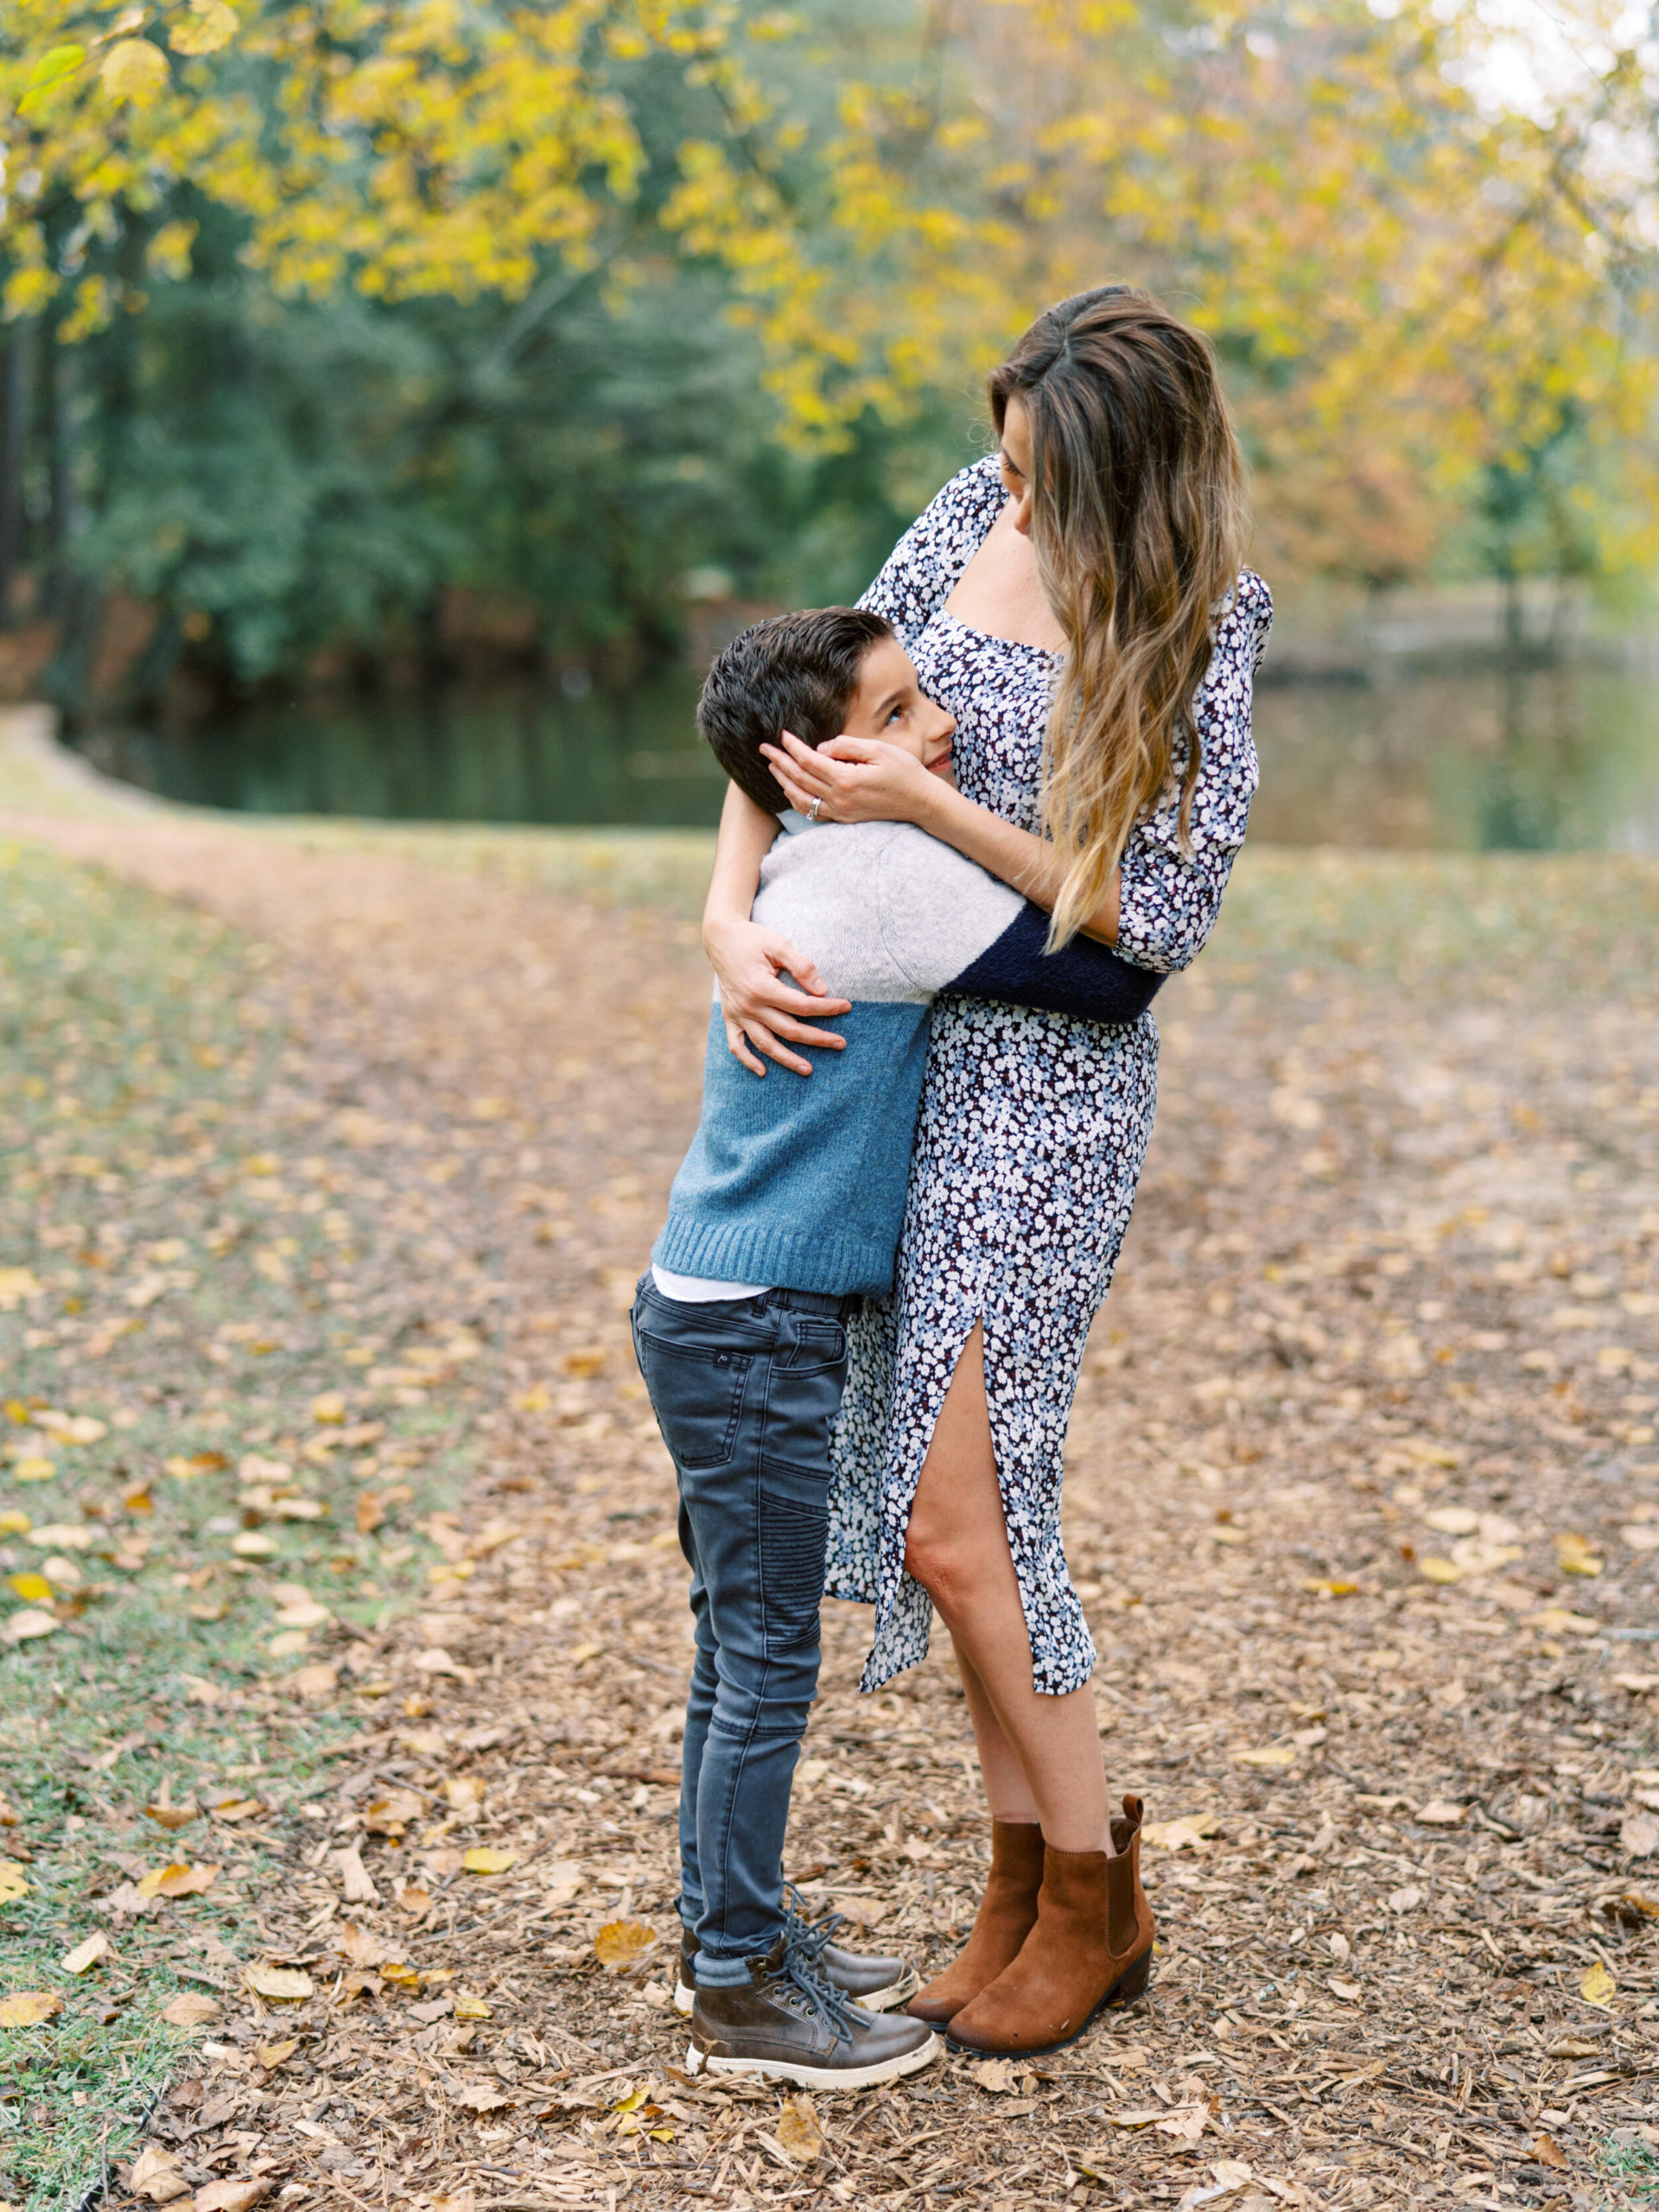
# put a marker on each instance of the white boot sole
(879, 2000)
(816, 2077)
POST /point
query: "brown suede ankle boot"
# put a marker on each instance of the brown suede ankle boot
(1091, 1946)
(1007, 1912)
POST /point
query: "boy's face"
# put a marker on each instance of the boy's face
(890, 703)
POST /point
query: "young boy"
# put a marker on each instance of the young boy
(786, 1209)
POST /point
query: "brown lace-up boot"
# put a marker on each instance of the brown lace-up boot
(1007, 1912)
(1091, 1946)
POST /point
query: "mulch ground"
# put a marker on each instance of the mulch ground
(1362, 1499)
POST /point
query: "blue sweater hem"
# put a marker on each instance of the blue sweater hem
(784, 1259)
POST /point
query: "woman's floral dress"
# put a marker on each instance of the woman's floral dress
(1033, 1126)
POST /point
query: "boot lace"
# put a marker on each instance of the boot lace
(798, 1980)
(812, 1936)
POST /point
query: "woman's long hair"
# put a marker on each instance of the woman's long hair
(1139, 525)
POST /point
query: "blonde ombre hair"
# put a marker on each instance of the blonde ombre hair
(1139, 525)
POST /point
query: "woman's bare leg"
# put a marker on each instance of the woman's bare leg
(957, 1549)
(1007, 1791)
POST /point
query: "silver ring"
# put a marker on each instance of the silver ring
(812, 810)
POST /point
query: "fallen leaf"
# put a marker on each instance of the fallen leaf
(312, 1681)
(583, 1363)
(270, 2056)
(176, 1881)
(469, 2007)
(1405, 1900)
(232, 2196)
(1452, 1521)
(1185, 2124)
(1555, 1620)
(797, 2129)
(464, 1793)
(1438, 1570)
(234, 1808)
(357, 1944)
(85, 1953)
(1598, 1987)
(1548, 2152)
(481, 2096)
(190, 2010)
(1638, 1834)
(1348, 1990)
(30, 1623)
(1269, 1755)
(487, 1861)
(563, 1877)
(282, 1985)
(155, 2175)
(26, 2008)
(996, 2076)
(1190, 1833)
(391, 1815)
(354, 1878)
(411, 1898)
(171, 1816)
(56, 1536)
(1440, 1813)
(620, 1942)
(251, 1545)
(14, 1883)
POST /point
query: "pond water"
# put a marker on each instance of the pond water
(1533, 759)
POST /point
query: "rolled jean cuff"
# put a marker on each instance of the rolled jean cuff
(720, 1974)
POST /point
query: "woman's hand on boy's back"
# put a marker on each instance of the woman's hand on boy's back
(855, 779)
(759, 1007)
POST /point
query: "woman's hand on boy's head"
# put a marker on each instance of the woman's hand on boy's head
(852, 778)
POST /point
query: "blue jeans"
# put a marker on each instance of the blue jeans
(745, 1392)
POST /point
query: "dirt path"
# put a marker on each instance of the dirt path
(1363, 1503)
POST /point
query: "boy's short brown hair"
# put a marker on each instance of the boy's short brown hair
(798, 672)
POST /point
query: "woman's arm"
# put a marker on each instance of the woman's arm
(758, 1007)
(860, 780)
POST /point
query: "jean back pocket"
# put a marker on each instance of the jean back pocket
(697, 1395)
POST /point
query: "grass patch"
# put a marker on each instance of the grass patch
(1631, 2168)
(1533, 922)
(225, 1429)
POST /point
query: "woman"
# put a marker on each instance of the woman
(1077, 603)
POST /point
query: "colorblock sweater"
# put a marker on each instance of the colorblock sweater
(799, 1181)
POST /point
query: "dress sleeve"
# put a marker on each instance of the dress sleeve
(1169, 900)
(923, 566)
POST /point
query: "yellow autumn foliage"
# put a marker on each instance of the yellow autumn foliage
(1411, 278)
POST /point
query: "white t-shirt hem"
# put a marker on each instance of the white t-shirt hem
(701, 1290)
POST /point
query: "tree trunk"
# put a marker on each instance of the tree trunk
(14, 445)
(60, 480)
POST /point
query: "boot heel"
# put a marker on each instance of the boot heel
(1132, 1984)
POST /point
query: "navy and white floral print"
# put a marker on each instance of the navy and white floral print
(1033, 1127)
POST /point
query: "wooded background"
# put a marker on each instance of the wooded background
(343, 335)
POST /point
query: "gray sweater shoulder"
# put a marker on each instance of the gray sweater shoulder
(886, 910)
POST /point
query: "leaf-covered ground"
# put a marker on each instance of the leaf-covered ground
(1362, 1499)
